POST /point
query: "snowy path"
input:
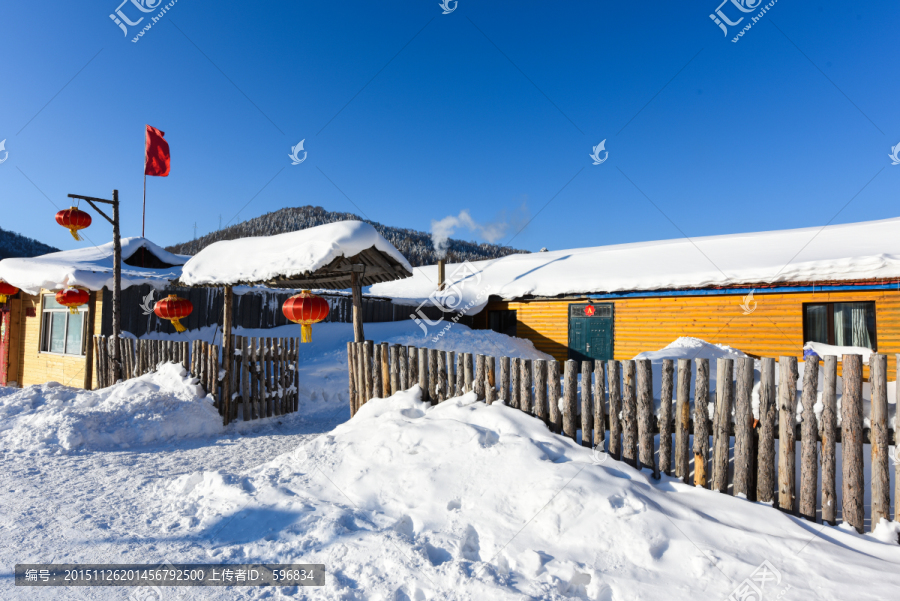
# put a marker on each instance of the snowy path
(93, 507)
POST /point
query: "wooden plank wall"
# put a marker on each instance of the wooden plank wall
(36, 367)
(773, 329)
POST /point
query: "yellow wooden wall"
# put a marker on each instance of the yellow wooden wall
(36, 367)
(774, 328)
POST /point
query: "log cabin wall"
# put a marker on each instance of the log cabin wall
(773, 329)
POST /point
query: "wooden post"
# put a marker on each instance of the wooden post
(385, 371)
(395, 369)
(245, 378)
(460, 374)
(368, 348)
(682, 421)
(441, 383)
(268, 355)
(765, 481)
(665, 417)
(433, 383)
(376, 372)
(117, 288)
(468, 375)
(525, 385)
(599, 405)
(356, 287)
(540, 390)
(227, 353)
(478, 384)
(413, 374)
(490, 384)
(701, 424)
(880, 437)
(852, 443)
(554, 395)
(829, 441)
(514, 374)
(645, 415)
(615, 409)
(629, 415)
(809, 460)
(587, 409)
(570, 405)
(787, 418)
(214, 361)
(362, 394)
(423, 375)
(351, 377)
(449, 385)
(743, 427)
(404, 367)
(721, 427)
(504, 379)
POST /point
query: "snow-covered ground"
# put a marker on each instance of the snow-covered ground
(404, 501)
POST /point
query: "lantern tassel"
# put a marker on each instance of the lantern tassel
(73, 310)
(178, 327)
(74, 233)
(306, 332)
(3, 299)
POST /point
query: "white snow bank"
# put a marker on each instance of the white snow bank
(822, 350)
(90, 268)
(855, 251)
(469, 502)
(249, 260)
(159, 406)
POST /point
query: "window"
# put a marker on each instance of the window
(503, 322)
(62, 332)
(840, 324)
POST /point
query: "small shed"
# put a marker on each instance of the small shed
(39, 339)
(334, 256)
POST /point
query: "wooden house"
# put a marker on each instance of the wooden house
(765, 293)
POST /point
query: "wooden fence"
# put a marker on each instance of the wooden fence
(615, 412)
(139, 357)
(264, 370)
(264, 378)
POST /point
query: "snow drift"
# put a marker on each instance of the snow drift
(468, 501)
(159, 406)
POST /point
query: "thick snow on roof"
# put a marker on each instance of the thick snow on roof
(293, 253)
(90, 268)
(839, 252)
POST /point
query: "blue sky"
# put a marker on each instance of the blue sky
(411, 115)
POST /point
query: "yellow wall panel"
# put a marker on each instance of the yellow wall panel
(774, 328)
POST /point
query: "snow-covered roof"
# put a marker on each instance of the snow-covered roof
(291, 256)
(857, 251)
(90, 268)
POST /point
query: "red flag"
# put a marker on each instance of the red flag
(156, 154)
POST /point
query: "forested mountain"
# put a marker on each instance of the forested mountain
(17, 245)
(416, 246)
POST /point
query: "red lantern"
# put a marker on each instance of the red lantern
(6, 290)
(174, 308)
(73, 298)
(73, 219)
(306, 309)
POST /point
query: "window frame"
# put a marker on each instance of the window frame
(829, 309)
(509, 313)
(44, 341)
